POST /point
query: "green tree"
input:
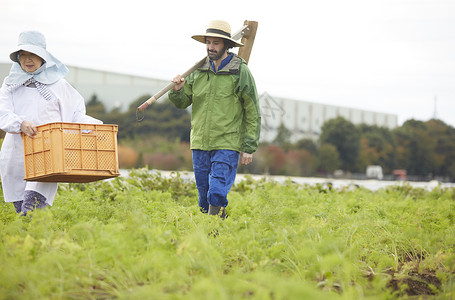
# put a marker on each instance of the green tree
(96, 108)
(328, 158)
(444, 150)
(377, 147)
(417, 155)
(342, 134)
(283, 137)
(307, 144)
(161, 118)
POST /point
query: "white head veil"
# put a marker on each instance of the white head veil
(51, 71)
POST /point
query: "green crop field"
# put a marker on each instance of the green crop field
(143, 237)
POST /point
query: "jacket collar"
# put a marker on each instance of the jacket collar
(232, 67)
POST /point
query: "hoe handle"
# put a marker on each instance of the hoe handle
(168, 87)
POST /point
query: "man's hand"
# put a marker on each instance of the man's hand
(179, 82)
(245, 158)
(29, 129)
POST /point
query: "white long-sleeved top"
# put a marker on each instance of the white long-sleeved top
(26, 103)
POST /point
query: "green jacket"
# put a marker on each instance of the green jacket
(225, 107)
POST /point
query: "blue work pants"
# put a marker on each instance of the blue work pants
(215, 173)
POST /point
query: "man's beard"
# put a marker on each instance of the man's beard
(214, 56)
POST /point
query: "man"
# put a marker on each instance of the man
(225, 119)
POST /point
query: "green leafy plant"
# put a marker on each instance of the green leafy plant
(143, 237)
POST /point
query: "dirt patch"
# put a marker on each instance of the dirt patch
(415, 283)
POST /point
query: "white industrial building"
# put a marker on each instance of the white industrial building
(304, 119)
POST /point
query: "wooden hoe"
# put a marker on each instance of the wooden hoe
(247, 33)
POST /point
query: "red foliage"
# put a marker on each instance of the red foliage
(127, 157)
(162, 161)
(275, 159)
(299, 163)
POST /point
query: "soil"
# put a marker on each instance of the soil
(417, 283)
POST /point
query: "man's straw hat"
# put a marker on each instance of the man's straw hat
(217, 28)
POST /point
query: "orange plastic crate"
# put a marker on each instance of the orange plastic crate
(71, 152)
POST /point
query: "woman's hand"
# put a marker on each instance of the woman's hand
(29, 129)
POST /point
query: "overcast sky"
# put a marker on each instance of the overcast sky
(392, 56)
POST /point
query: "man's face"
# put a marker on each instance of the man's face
(29, 62)
(215, 48)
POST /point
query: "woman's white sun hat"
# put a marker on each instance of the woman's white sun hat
(51, 70)
(31, 41)
(217, 28)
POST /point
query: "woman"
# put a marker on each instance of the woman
(34, 93)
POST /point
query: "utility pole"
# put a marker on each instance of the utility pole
(435, 111)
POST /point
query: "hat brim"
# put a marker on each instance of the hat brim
(29, 48)
(201, 38)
